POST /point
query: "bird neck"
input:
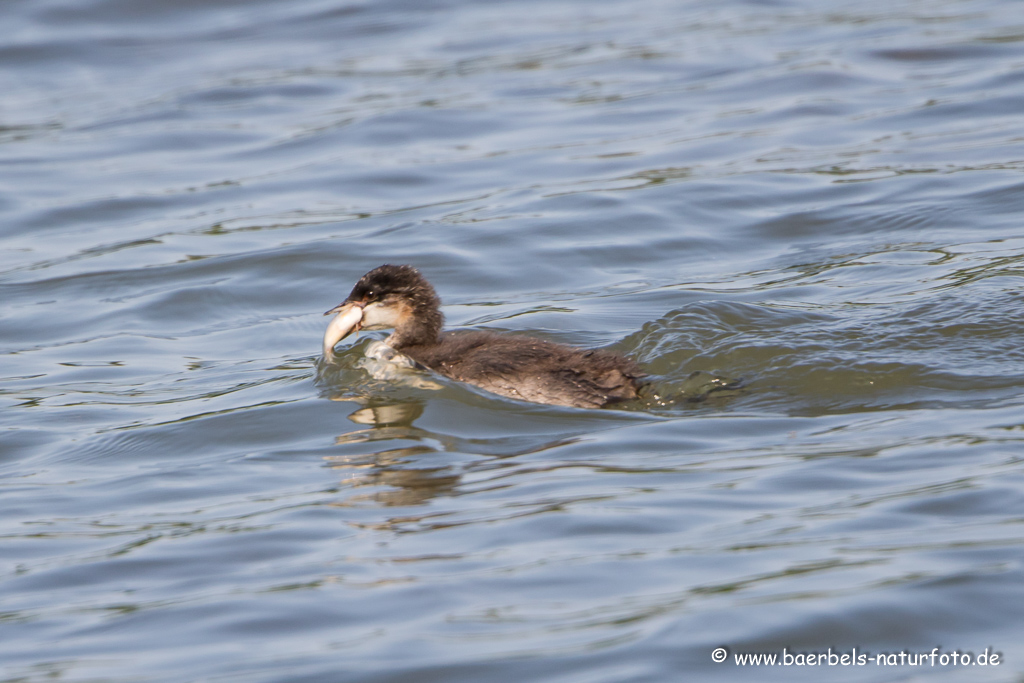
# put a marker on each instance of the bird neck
(420, 326)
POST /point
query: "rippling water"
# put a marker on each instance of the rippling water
(824, 200)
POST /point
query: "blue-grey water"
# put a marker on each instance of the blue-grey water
(823, 199)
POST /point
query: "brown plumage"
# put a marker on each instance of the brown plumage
(509, 365)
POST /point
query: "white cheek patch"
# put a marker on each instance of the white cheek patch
(343, 325)
(378, 317)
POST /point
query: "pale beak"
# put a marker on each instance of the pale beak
(348, 320)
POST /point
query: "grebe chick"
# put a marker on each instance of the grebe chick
(509, 365)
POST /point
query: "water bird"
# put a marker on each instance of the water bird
(524, 368)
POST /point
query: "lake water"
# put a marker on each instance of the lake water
(823, 199)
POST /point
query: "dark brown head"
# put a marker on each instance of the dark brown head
(394, 297)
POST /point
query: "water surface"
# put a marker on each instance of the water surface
(822, 200)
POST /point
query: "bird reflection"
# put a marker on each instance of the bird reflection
(389, 476)
(390, 422)
(404, 486)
